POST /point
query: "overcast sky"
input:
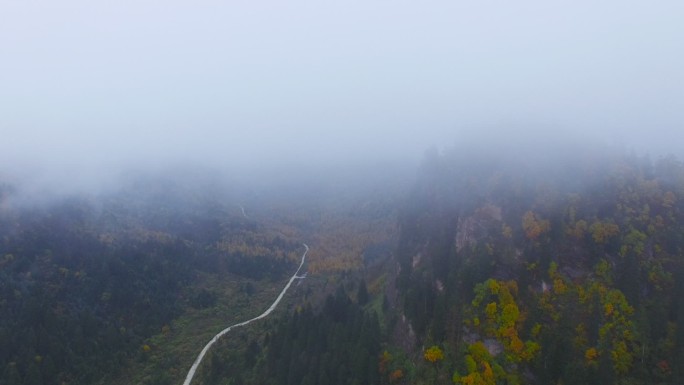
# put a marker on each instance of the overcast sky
(252, 82)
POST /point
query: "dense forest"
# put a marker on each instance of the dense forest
(126, 285)
(549, 269)
(515, 268)
(84, 282)
(558, 266)
(338, 343)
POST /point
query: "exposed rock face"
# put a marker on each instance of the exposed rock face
(493, 346)
(477, 226)
(403, 335)
(416, 260)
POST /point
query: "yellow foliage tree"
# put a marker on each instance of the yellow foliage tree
(482, 369)
(534, 226)
(433, 354)
(601, 232)
(496, 315)
(590, 355)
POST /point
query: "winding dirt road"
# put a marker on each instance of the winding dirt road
(200, 357)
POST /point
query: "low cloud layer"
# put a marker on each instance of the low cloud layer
(92, 86)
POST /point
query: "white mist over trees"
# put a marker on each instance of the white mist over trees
(88, 88)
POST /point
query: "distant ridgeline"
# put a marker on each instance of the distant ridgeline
(83, 282)
(534, 269)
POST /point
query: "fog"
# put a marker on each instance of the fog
(88, 89)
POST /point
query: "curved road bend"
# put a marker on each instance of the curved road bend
(198, 360)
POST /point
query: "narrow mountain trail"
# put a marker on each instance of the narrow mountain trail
(244, 214)
(200, 357)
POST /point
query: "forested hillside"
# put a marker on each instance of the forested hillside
(85, 281)
(561, 265)
(126, 285)
(338, 342)
(558, 265)
(543, 267)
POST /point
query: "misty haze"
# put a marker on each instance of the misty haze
(341, 193)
